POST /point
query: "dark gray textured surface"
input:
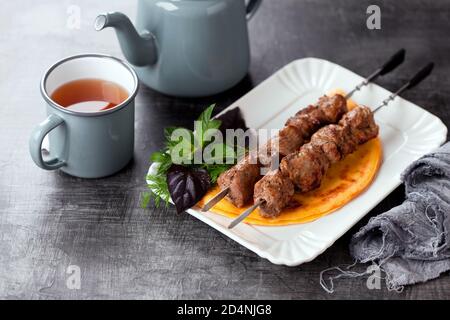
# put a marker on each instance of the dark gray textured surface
(49, 220)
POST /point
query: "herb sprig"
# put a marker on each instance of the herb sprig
(160, 185)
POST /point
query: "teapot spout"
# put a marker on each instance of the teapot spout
(139, 50)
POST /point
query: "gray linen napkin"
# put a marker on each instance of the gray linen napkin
(411, 242)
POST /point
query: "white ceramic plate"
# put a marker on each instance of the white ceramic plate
(406, 130)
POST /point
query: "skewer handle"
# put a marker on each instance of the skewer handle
(415, 80)
(422, 74)
(396, 60)
(244, 215)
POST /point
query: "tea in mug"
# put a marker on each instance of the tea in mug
(89, 95)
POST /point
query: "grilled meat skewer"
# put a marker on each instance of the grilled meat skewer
(306, 168)
(236, 182)
(359, 130)
(327, 146)
(240, 179)
(299, 128)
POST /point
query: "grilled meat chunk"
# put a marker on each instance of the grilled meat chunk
(238, 179)
(314, 111)
(329, 109)
(306, 167)
(329, 139)
(287, 141)
(335, 141)
(275, 191)
(361, 124)
(306, 124)
(333, 107)
(350, 143)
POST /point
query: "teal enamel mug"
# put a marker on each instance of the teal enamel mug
(86, 144)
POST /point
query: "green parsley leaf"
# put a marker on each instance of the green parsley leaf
(157, 184)
(164, 159)
(203, 124)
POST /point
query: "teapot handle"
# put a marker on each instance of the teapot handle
(252, 7)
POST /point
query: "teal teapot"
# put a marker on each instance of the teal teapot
(186, 48)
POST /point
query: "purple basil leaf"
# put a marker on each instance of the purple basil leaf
(187, 185)
(232, 120)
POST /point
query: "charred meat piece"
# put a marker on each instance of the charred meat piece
(361, 124)
(335, 141)
(240, 179)
(275, 191)
(314, 111)
(329, 139)
(350, 144)
(327, 110)
(288, 140)
(305, 124)
(306, 167)
(333, 107)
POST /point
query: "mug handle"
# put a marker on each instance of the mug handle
(252, 7)
(35, 143)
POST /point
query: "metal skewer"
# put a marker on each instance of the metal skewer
(211, 203)
(388, 66)
(415, 80)
(245, 214)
